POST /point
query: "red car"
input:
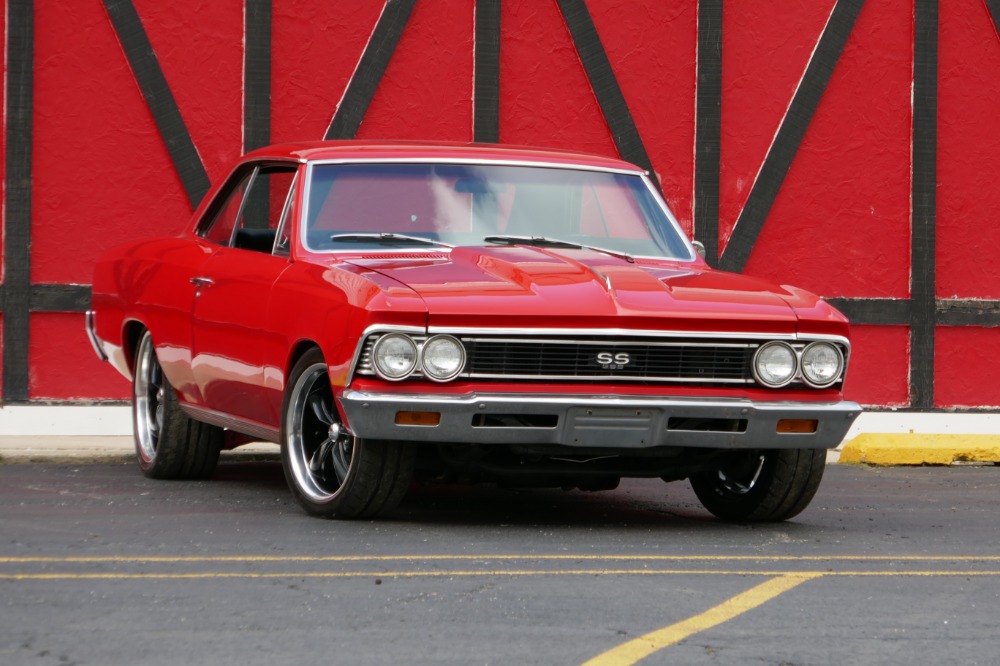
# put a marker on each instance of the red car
(391, 311)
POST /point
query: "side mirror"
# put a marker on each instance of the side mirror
(699, 247)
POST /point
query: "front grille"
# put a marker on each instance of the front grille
(680, 361)
(645, 361)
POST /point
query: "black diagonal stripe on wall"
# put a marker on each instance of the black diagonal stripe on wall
(362, 86)
(708, 128)
(605, 85)
(257, 75)
(486, 95)
(924, 203)
(994, 8)
(160, 100)
(17, 213)
(790, 133)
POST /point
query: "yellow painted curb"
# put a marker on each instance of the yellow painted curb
(920, 449)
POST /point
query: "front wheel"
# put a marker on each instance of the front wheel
(761, 486)
(168, 444)
(330, 472)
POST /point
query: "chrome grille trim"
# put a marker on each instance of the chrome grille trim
(544, 358)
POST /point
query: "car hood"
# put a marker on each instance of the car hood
(536, 287)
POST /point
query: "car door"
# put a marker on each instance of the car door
(232, 296)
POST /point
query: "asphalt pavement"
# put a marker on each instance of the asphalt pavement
(100, 565)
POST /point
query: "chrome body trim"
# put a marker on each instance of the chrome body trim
(662, 339)
(613, 343)
(644, 176)
(90, 319)
(249, 428)
(622, 332)
(608, 421)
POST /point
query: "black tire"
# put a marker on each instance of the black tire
(331, 473)
(761, 486)
(168, 444)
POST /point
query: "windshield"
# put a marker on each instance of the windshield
(375, 205)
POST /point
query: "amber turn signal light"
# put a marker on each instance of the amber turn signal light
(418, 418)
(800, 426)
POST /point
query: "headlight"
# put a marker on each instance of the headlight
(822, 364)
(394, 356)
(775, 364)
(442, 358)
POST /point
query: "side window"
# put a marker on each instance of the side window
(219, 228)
(263, 208)
(250, 211)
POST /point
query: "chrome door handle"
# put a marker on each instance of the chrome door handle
(202, 281)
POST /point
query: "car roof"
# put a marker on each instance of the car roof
(409, 150)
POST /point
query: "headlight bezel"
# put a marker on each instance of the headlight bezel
(801, 374)
(381, 343)
(774, 345)
(840, 365)
(418, 348)
(433, 341)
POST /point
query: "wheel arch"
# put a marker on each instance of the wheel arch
(131, 336)
(299, 350)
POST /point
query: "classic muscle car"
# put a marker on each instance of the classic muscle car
(392, 311)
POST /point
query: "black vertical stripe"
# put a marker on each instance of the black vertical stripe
(257, 98)
(790, 133)
(17, 206)
(362, 86)
(486, 94)
(708, 127)
(257, 75)
(604, 84)
(924, 202)
(160, 100)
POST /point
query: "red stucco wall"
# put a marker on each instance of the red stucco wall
(840, 225)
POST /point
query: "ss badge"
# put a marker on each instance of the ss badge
(610, 361)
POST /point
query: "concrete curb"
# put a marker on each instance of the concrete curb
(107, 450)
(103, 433)
(886, 449)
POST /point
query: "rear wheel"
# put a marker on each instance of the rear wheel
(168, 444)
(761, 486)
(330, 472)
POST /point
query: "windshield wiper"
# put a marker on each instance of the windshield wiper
(545, 241)
(386, 239)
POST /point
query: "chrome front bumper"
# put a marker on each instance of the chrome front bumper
(598, 421)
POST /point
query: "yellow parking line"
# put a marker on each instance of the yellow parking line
(446, 573)
(643, 646)
(491, 557)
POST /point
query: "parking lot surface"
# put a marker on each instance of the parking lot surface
(99, 565)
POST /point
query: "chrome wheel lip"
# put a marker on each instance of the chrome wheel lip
(147, 401)
(301, 452)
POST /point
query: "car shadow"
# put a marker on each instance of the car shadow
(635, 503)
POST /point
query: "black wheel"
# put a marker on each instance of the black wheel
(330, 472)
(168, 444)
(761, 486)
